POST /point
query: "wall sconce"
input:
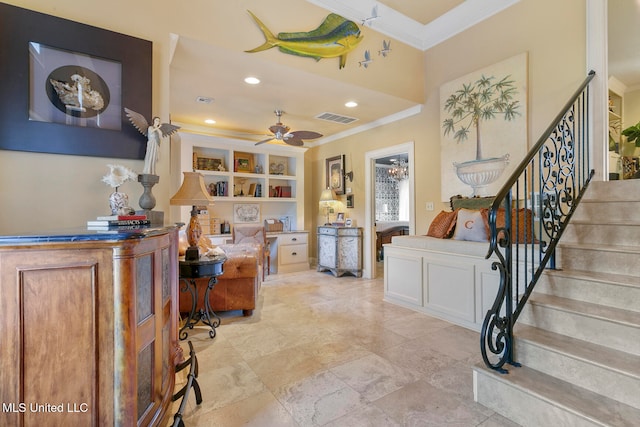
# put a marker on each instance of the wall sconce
(349, 175)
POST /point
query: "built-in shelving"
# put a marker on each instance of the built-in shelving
(237, 171)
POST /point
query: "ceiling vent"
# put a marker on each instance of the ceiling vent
(336, 118)
(204, 100)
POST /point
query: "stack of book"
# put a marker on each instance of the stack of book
(115, 222)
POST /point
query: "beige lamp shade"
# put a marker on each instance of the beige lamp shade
(328, 195)
(193, 192)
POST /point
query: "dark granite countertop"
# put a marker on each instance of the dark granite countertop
(81, 234)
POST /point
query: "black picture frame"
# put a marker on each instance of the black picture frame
(335, 173)
(19, 27)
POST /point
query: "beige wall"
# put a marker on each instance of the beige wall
(68, 188)
(553, 34)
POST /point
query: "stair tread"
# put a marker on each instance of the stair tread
(600, 355)
(630, 318)
(600, 247)
(618, 279)
(613, 223)
(571, 397)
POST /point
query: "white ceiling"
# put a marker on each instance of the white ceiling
(388, 89)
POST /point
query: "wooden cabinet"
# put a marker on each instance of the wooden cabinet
(340, 250)
(237, 172)
(88, 328)
(293, 252)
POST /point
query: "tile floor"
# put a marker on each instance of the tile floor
(325, 351)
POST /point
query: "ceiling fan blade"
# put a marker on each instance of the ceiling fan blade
(263, 141)
(293, 140)
(305, 134)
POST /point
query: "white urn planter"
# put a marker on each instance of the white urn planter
(480, 173)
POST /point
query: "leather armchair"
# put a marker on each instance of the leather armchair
(255, 234)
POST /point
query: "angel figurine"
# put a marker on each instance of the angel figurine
(154, 133)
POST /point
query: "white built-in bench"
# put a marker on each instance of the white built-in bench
(445, 278)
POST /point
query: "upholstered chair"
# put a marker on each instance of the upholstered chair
(255, 234)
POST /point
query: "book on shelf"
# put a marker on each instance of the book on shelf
(282, 191)
(120, 217)
(252, 190)
(115, 229)
(118, 223)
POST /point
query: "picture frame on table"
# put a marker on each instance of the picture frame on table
(243, 162)
(335, 173)
(38, 115)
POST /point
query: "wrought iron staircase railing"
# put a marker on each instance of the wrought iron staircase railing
(528, 217)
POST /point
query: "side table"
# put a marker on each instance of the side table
(189, 271)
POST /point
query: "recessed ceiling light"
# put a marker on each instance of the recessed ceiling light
(209, 121)
(252, 80)
(351, 104)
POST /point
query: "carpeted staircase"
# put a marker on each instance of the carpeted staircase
(578, 340)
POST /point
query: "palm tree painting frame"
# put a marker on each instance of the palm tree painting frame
(483, 117)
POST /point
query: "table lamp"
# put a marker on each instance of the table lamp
(192, 193)
(327, 198)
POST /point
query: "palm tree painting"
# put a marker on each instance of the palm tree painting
(487, 107)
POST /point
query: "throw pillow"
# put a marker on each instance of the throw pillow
(442, 225)
(522, 219)
(470, 226)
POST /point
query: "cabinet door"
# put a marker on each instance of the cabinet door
(349, 253)
(57, 336)
(327, 251)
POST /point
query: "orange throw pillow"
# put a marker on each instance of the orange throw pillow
(443, 224)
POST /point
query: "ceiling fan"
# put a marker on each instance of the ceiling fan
(281, 133)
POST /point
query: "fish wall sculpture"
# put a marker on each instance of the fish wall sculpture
(335, 37)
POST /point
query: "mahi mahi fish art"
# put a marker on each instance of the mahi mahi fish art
(335, 37)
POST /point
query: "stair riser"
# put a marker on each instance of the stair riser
(602, 234)
(612, 384)
(603, 212)
(609, 294)
(619, 190)
(598, 331)
(520, 406)
(613, 262)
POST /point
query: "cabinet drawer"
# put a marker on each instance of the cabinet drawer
(293, 254)
(292, 239)
(328, 231)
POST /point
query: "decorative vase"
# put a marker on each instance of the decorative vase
(480, 173)
(118, 201)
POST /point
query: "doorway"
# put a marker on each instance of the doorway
(405, 151)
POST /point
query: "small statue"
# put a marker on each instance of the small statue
(154, 133)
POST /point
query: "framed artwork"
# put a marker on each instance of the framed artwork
(334, 173)
(349, 200)
(340, 217)
(65, 86)
(243, 162)
(246, 213)
(474, 164)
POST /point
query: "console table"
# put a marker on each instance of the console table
(340, 250)
(89, 325)
(208, 268)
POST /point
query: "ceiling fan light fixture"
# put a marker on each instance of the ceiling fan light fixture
(252, 80)
(351, 104)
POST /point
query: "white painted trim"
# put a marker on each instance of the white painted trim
(407, 30)
(597, 60)
(369, 243)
